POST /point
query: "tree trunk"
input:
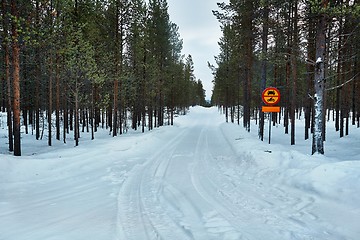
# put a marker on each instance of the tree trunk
(92, 111)
(65, 120)
(26, 105)
(319, 81)
(338, 77)
(65, 114)
(50, 103)
(16, 80)
(76, 123)
(248, 44)
(3, 93)
(143, 91)
(7, 77)
(289, 32)
(264, 66)
(57, 112)
(116, 81)
(294, 53)
(357, 86)
(37, 78)
(310, 76)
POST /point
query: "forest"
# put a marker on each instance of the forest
(308, 49)
(69, 66)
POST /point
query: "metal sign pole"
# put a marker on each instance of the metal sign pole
(270, 118)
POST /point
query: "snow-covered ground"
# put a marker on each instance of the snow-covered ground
(202, 179)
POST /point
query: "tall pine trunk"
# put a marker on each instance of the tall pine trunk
(76, 120)
(264, 66)
(50, 102)
(57, 111)
(310, 75)
(16, 79)
(7, 77)
(319, 82)
(37, 76)
(248, 45)
(116, 80)
(294, 54)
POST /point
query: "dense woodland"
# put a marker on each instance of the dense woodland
(308, 49)
(69, 66)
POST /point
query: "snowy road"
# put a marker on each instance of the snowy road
(199, 180)
(194, 187)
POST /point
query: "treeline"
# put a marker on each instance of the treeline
(308, 49)
(67, 64)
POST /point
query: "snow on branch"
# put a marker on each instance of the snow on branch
(319, 60)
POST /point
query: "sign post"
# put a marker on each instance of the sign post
(270, 118)
(271, 97)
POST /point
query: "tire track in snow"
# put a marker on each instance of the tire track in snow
(221, 221)
(140, 216)
(201, 191)
(246, 203)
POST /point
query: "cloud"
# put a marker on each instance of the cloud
(200, 32)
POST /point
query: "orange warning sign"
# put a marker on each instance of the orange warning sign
(271, 96)
(270, 109)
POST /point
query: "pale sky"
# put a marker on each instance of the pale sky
(200, 32)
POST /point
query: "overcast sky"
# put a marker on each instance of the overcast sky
(200, 32)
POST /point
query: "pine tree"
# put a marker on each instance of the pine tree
(16, 76)
(7, 80)
(264, 44)
(319, 81)
(160, 49)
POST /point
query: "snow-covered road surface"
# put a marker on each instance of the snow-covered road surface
(199, 180)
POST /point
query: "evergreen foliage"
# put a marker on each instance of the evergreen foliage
(92, 64)
(307, 49)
